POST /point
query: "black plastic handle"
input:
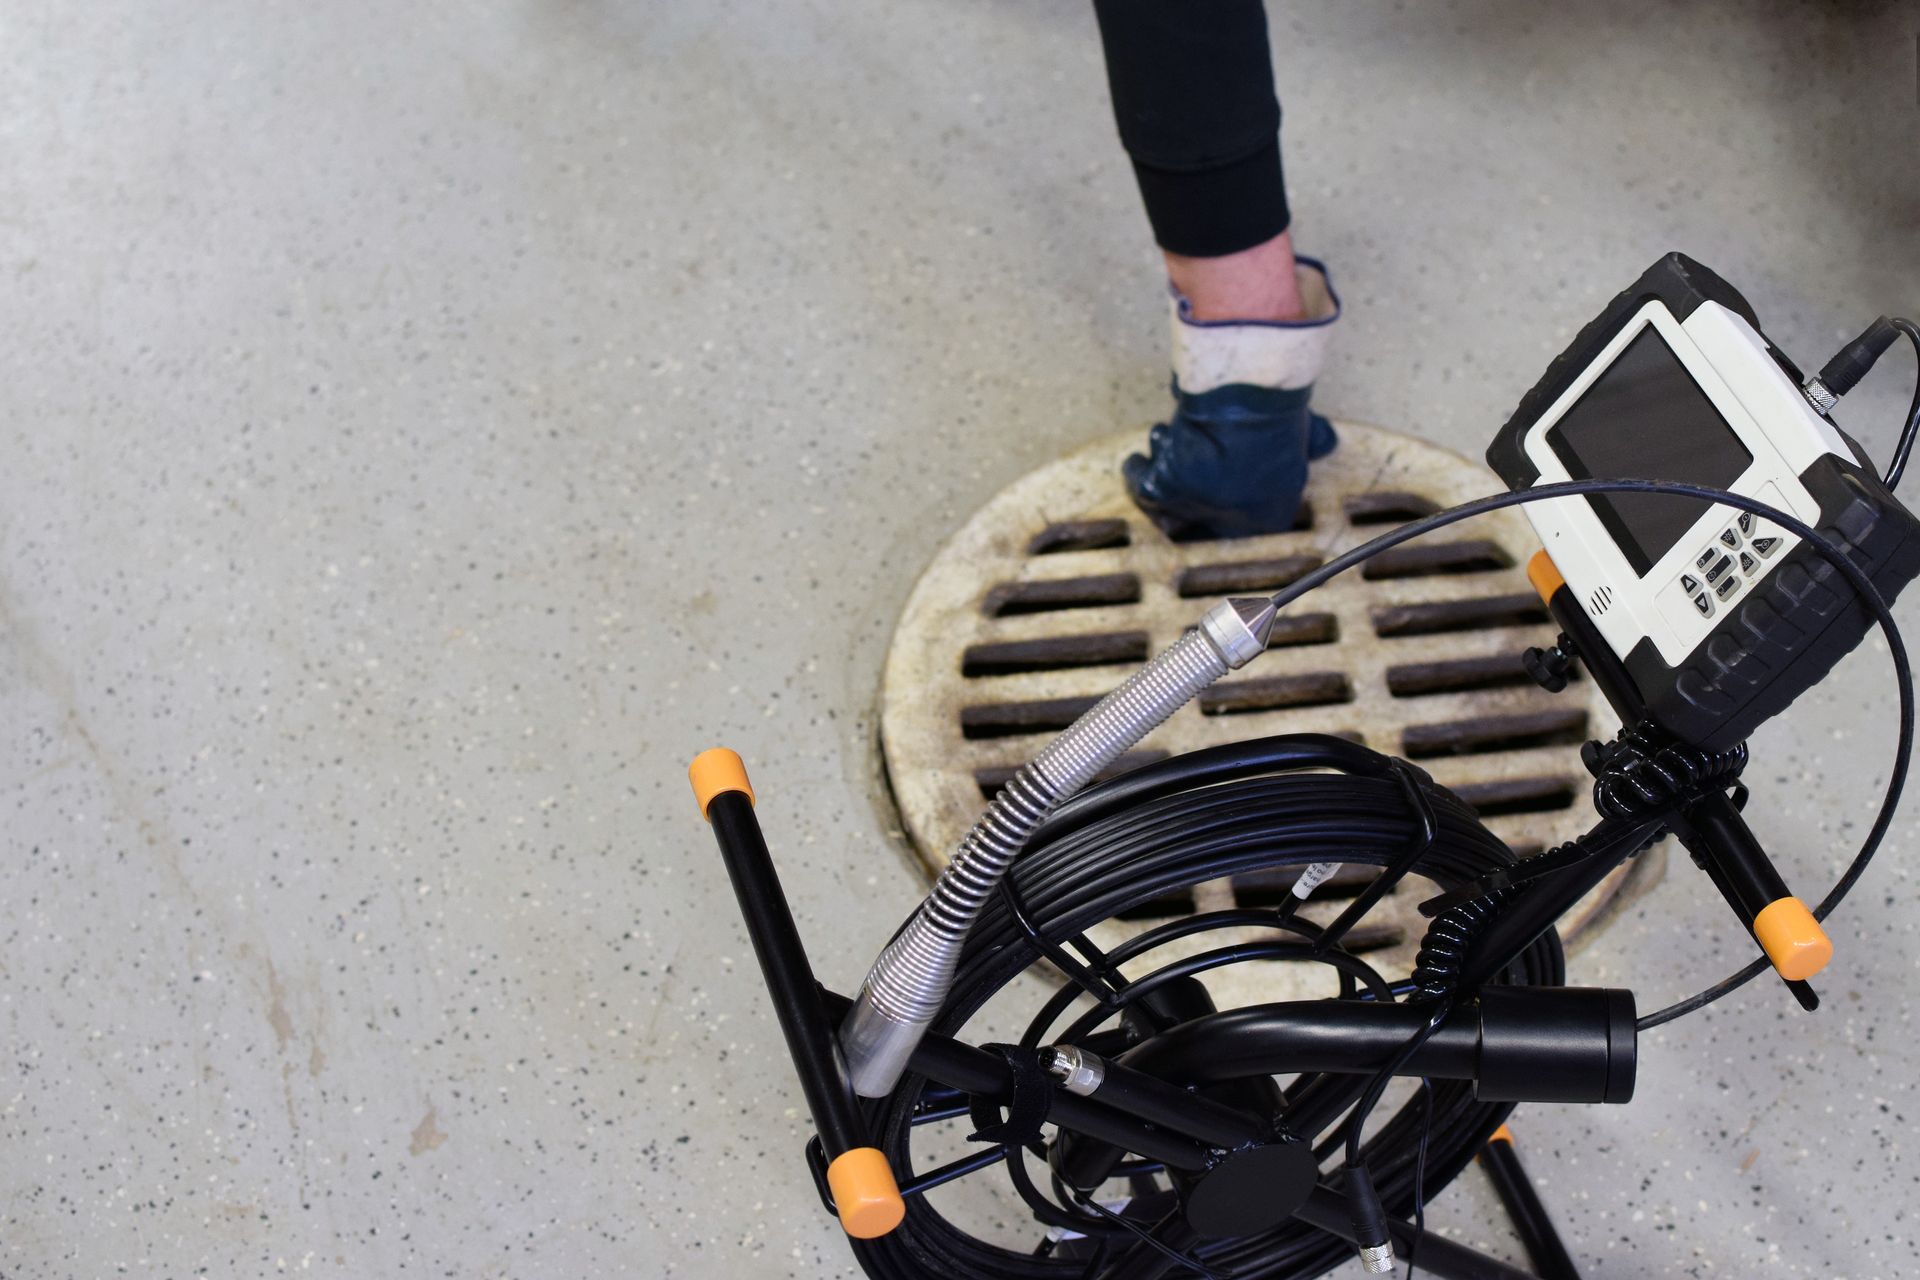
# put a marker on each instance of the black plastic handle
(1711, 827)
(1725, 847)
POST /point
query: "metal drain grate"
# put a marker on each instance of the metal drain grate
(1025, 619)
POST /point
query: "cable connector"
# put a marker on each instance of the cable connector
(1819, 395)
(1239, 628)
(1369, 1220)
(1074, 1069)
(1850, 364)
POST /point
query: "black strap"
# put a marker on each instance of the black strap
(1027, 1110)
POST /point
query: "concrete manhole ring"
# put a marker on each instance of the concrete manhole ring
(1057, 588)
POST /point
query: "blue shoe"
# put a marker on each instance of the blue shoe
(1232, 460)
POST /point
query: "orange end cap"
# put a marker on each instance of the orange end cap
(1792, 938)
(714, 771)
(1544, 574)
(865, 1193)
(1502, 1134)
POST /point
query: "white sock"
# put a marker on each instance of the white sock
(1282, 354)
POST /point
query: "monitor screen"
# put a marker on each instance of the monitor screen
(1645, 418)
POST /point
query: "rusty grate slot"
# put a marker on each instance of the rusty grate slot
(1243, 575)
(1053, 653)
(1482, 613)
(1294, 630)
(1048, 595)
(1363, 938)
(1272, 693)
(1387, 508)
(1519, 795)
(1432, 559)
(991, 778)
(1168, 906)
(1483, 735)
(1272, 886)
(1302, 521)
(1290, 630)
(1009, 719)
(1079, 535)
(1457, 675)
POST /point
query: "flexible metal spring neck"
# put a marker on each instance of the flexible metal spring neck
(909, 983)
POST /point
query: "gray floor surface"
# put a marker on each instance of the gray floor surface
(426, 428)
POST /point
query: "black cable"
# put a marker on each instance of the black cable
(1214, 813)
(1224, 819)
(1437, 1013)
(1898, 466)
(1829, 549)
(1420, 1176)
(1150, 1239)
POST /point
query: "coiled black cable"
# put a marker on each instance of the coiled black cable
(1124, 859)
(1443, 951)
(1165, 828)
(1644, 771)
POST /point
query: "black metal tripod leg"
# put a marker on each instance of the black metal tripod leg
(865, 1194)
(1530, 1220)
(1327, 1210)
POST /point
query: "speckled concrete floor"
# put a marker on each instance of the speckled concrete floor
(426, 428)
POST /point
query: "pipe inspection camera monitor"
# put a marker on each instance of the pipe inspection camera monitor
(1718, 617)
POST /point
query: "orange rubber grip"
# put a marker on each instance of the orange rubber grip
(717, 770)
(864, 1193)
(1792, 938)
(1544, 575)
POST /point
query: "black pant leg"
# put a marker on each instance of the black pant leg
(1192, 84)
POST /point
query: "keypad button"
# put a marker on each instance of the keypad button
(1719, 568)
(1728, 585)
(1748, 564)
(1728, 538)
(1689, 583)
(1704, 603)
(1745, 522)
(1705, 558)
(1766, 546)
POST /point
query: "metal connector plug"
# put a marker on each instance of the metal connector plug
(1074, 1069)
(1376, 1259)
(1819, 395)
(1239, 628)
(1369, 1220)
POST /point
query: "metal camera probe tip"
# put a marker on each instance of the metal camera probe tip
(908, 984)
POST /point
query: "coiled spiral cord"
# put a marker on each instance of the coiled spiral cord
(1644, 771)
(1443, 949)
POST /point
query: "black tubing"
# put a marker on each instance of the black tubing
(1207, 815)
(1520, 1044)
(788, 975)
(1530, 1221)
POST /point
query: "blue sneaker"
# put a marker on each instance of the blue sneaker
(1231, 462)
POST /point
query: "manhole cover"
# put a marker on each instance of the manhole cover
(1058, 587)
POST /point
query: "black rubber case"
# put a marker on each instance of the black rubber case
(1787, 632)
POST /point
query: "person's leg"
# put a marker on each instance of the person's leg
(1193, 96)
(1253, 284)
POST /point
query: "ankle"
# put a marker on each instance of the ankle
(1254, 284)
